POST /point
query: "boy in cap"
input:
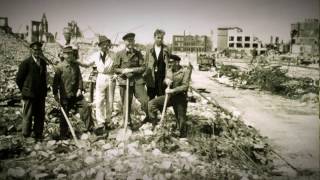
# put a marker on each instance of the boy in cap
(156, 62)
(178, 78)
(67, 86)
(31, 80)
(103, 60)
(129, 63)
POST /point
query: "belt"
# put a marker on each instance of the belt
(110, 74)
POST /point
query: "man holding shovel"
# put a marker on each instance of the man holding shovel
(177, 78)
(67, 86)
(129, 65)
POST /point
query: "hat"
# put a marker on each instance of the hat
(67, 49)
(103, 39)
(174, 57)
(128, 35)
(36, 44)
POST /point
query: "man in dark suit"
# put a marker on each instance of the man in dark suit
(31, 80)
(129, 63)
(156, 62)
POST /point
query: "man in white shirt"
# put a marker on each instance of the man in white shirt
(103, 60)
(156, 62)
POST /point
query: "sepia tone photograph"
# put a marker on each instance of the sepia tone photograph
(159, 89)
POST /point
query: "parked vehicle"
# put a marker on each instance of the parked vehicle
(206, 62)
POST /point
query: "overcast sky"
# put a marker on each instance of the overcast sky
(263, 18)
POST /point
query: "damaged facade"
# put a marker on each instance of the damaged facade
(233, 38)
(189, 43)
(305, 37)
(39, 31)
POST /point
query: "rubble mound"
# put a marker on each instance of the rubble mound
(218, 146)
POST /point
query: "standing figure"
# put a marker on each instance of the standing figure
(31, 80)
(178, 78)
(129, 64)
(254, 55)
(156, 62)
(67, 86)
(103, 60)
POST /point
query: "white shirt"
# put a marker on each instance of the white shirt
(101, 67)
(157, 49)
(35, 60)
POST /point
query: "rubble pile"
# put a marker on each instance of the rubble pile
(218, 146)
(12, 52)
(270, 78)
(213, 149)
(12, 48)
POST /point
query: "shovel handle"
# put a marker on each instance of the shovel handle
(164, 108)
(70, 126)
(127, 104)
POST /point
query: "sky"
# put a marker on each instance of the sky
(113, 18)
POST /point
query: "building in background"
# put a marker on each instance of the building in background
(5, 25)
(233, 38)
(189, 43)
(305, 37)
(39, 31)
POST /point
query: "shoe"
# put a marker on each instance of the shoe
(146, 120)
(99, 130)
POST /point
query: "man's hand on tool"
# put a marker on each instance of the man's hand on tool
(170, 91)
(168, 81)
(126, 71)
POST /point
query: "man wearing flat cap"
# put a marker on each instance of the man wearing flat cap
(156, 61)
(103, 60)
(67, 86)
(177, 79)
(129, 64)
(31, 80)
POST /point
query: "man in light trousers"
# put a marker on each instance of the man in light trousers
(103, 60)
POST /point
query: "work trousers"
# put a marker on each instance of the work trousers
(179, 103)
(139, 92)
(159, 88)
(102, 98)
(33, 109)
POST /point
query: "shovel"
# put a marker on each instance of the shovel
(123, 135)
(70, 127)
(164, 107)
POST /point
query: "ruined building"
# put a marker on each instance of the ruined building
(305, 37)
(4, 25)
(189, 43)
(39, 31)
(233, 38)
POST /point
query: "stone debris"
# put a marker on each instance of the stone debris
(209, 151)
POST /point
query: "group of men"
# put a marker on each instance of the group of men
(149, 79)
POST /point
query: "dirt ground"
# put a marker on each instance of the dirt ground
(291, 126)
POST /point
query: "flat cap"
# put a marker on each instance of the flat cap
(36, 44)
(67, 49)
(128, 35)
(174, 57)
(103, 39)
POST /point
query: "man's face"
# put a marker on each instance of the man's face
(36, 52)
(172, 64)
(158, 39)
(104, 47)
(129, 42)
(68, 56)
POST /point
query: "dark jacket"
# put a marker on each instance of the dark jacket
(67, 80)
(31, 78)
(132, 60)
(156, 68)
(180, 79)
